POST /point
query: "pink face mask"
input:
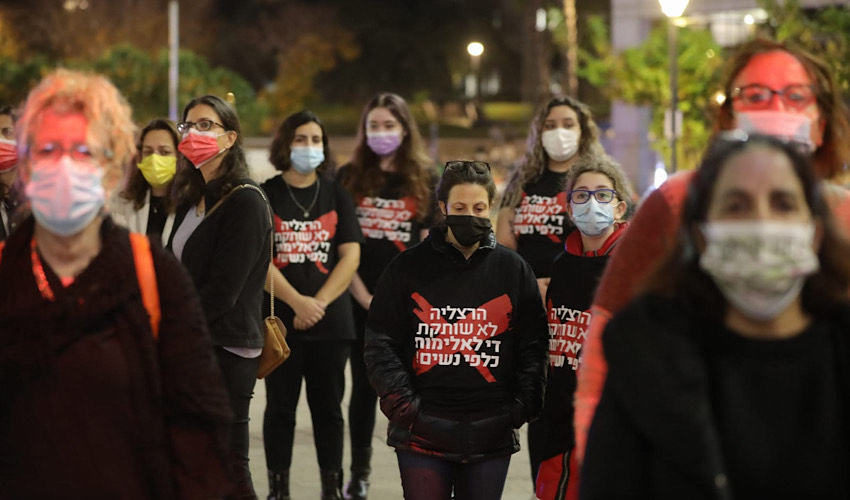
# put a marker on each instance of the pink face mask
(8, 155)
(785, 125)
(200, 147)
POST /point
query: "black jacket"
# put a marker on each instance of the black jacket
(656, 433)
(227, 257)
(457, 349)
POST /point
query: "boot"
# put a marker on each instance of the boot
(358, 486)
(331, 484)
(278, 485)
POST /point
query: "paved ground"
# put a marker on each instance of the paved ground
(386, 484)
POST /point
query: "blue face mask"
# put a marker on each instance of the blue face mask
(593, 218)
(66, 195)
(306, 159)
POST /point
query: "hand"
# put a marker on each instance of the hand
(308, 312)
(543, 285)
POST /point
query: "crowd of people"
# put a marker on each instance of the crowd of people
(691, 345)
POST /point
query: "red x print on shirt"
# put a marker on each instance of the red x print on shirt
(470, 329)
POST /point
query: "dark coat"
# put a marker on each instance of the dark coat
(477, 426)
(654, 434)
(228, 257)
(91, 406)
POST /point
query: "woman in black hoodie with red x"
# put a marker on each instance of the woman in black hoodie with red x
(456, 347)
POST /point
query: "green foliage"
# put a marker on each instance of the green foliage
(826, 33)
(640, 75)
(143, 80)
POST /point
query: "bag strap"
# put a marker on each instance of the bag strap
(271, 240)
(146, 276)
(2, 246)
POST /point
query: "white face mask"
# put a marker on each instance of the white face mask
(782, 124)
(760, 267)
(560, 143)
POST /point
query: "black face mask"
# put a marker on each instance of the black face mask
(468, 229)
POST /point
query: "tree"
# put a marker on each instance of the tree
(639, 75)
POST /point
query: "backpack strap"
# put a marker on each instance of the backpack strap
(146, 275)
(2, 246)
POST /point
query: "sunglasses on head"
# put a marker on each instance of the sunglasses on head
(479, 167)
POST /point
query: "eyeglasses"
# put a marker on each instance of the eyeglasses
(479, 167)
(79, 152)
(758, 96)
(582, 196)
(200, 125)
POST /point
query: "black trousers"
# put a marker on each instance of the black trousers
(364, 399)
(240, 375)
(322, 366)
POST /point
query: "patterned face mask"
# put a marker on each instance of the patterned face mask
(760, 267)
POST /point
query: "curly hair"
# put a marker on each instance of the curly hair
(366, 178)
(110, 123)
(137, 186)
(605, 165)
(834, 152)
(536, 159)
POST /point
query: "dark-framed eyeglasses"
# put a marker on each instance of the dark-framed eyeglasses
(203, 125)
(479, 167)
(582, 196)
(758, 96)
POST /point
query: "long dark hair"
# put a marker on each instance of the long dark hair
(137, 186)
(679, 275)
(188, 185)
(281, 145)
(366, 178)
(834, 152)
(536, 159)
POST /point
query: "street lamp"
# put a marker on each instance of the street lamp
(475, 49)
(673, 9)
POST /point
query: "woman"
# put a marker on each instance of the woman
(456, 348)
(316, 254)
(597, 191)
(533, 219)
(222, 237)
(792, 88)
(392, 182)
(9, 198)
(729, 377)
(99, 400)
(144, 205)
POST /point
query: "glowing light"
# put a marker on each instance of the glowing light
(719, 98)
(673, 8)
(660, 175)
(749, 19)
(710, 53)
(475, 49)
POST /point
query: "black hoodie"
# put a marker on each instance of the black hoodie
(463, 340)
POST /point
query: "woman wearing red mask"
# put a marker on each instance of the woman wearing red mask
(222, 235)
(100, 398)
(797, 93)
(392, 181)
(9, 199)
(144, 205)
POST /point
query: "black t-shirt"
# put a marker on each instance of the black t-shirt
(156, 216)
(306, 249)
(390, 224)
(568, 301)
(541, 222)
(781, 415)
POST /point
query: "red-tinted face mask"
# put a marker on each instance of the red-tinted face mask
(200, 147)
(8, 155)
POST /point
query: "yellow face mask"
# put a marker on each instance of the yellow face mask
(158, 170)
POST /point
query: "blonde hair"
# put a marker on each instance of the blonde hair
(110, 123)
